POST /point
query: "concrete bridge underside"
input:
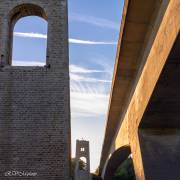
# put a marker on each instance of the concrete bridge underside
(144, 107)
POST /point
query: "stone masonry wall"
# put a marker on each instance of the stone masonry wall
(34, 101)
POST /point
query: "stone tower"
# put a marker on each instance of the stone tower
(82, 151)
(34, 101)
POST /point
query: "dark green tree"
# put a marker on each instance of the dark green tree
(125, 171)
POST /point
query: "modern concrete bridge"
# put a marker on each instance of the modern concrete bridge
(144, 109)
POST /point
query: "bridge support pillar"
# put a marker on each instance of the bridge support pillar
(160, 153)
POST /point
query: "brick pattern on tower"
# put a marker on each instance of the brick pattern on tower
(34, 101)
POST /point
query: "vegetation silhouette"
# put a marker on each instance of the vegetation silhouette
(125, 171)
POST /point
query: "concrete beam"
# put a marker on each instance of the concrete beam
(162, 30)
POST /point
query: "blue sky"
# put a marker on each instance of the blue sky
(93, 35)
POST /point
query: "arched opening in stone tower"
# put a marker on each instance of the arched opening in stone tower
(27, 40)
(29, 44)
(83, 164)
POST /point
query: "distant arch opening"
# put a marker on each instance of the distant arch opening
(82, 163)
(28, 36)
(120, 165)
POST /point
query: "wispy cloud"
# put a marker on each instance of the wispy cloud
(77, 74)
(79, 41)
(89, 96)
(27, 63)
(76, 77)
(71, 40)
(30, 35)
(78, 69)
(100, 22)
(88, 104)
